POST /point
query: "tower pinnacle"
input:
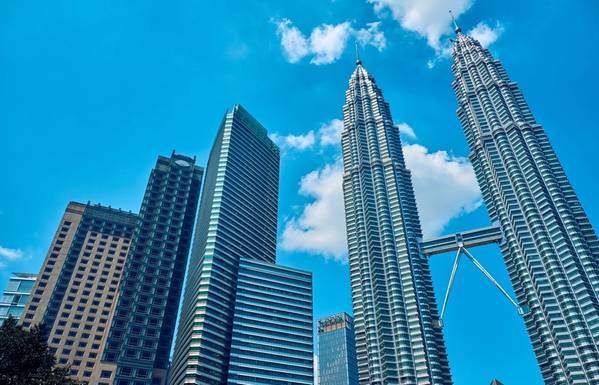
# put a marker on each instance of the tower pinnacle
(456, 27)
(358, 61)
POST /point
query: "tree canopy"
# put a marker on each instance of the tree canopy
(25, 358)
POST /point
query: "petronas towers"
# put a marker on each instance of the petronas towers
(548, 244)
(393, 300)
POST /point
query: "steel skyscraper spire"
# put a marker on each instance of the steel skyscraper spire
(393, 300)
(549, 246)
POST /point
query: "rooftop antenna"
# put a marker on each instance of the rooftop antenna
(456, 27)
(358, 61)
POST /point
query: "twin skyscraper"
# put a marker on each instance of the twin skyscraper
(548, 244)
(110, 286)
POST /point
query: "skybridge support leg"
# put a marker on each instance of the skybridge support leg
(461, 249)
(490, 277)
(454, 269)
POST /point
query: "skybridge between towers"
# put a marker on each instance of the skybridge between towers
(461, 243)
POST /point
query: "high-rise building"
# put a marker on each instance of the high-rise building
(15, 295)
(76, 289)
(337, 363)
(272, 327)
(238, 219)
(394, 307)
(549, 246)
(141, 332)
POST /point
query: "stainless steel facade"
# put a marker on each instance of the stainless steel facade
(549, 246)
(393, 301)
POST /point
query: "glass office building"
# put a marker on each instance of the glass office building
(15, 295)
(272, 327)
(550, 249)
(238, 220)
(337, 363)
(394, 306)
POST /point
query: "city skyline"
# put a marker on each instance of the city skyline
(297, 163)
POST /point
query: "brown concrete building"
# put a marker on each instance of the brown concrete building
(109, 288)
(75, 295)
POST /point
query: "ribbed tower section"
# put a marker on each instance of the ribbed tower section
(549, 246)
(393, 300)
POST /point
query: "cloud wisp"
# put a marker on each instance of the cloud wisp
(328, 134)
(406, 129)
(486, 35)
(9, 255)
(294, 142)
(326, 43)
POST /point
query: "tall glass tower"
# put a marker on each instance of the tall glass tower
(337, 364)
(393, 300)
(549, 246)
(237, 218)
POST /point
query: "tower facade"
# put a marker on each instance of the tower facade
(77, 286)
(272, 327)
(337, 363)
(237, 218)
(549, 246)
(141, 331)
(393, 301)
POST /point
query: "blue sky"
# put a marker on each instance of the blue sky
(93, 91)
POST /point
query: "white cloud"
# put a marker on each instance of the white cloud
(445, 188)
(428, 18)
(372, 36)
(326, 42)
(320, 228)
(294, 142)
(486, 35)
(294, 43)
(330, 132)
(10, 254)
(406, 129)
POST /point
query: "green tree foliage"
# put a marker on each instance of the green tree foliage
(25, 358)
